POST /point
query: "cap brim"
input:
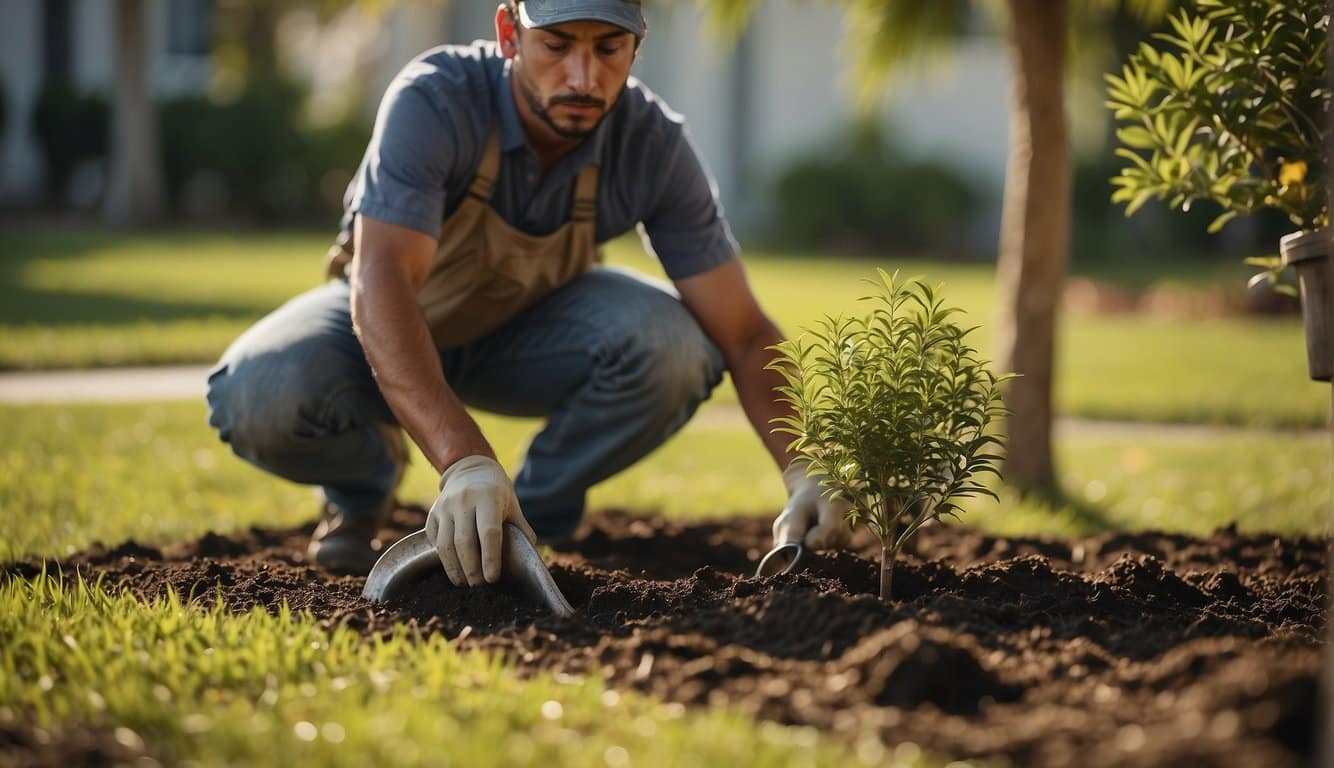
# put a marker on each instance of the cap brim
(630, 19)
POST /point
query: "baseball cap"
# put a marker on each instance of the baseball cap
(626, 14)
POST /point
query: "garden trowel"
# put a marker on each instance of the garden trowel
(522, 571)
(784, 558)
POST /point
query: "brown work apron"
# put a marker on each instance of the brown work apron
(485, 271)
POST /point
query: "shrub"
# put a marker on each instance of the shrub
(1231, 110)
(269, 164)
(894, 410)
(72, 128)
(861, 195)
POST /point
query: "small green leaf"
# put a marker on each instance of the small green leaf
(1217, 224)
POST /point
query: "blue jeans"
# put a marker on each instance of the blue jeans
(613, 361)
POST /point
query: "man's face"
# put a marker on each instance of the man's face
(569, 75)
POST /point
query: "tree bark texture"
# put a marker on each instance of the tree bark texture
(135, 185)
(1035, 232)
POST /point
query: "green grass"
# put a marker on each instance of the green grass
(76, 474)
(76, 299)
(80, 299)
(1260, 481)
(198, 685)
(189, 684)
(186, 684)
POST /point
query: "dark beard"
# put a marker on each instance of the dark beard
(543, 110)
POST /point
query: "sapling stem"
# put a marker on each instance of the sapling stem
(887, 553)
(886, 572)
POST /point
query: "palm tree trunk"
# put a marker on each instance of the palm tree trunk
(1035, 230)
(134, 189)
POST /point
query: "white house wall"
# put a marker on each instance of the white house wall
(92, 67)
(958, 110)
(472, 19)
(413, 28)
(93, 48)
(796, 93)
(784, 91)
(797, 89)
(695, 75)
(20, 66)
(92, 44)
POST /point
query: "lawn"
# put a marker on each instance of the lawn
(189, 685)
(76, 474)
(183, 683)
(77, 299)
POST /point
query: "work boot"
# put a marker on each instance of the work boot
(349, 545)
(344, 544)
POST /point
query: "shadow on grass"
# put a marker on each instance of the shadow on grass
(20, 305)
(24, 304)
(1089, 517)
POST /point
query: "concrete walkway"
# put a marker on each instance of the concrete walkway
(105, 385)
(187, 382)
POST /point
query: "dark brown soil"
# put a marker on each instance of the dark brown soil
(1118, 649)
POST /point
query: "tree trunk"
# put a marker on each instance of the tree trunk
(134, 187)
(1034, 235)
(258, 30)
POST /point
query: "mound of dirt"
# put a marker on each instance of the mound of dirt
(1117, 649)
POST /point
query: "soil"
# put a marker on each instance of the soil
(1125, 649)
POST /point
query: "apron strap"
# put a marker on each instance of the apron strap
(585, 194)
(484, 181)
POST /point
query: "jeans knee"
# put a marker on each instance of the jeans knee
(248, 412)
(267, 406)
(675, 363)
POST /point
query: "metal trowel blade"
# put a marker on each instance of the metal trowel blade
(784, 558)
(522, 571)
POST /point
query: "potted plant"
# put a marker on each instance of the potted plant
(893, 409)
(1230, 107)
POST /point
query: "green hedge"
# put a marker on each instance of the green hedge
(252, 158)
(72, 128)
(861, 194)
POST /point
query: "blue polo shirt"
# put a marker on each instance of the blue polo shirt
(432, 127)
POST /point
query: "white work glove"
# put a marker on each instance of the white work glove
(810, 517)
(466, 521)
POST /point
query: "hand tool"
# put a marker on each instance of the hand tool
(784, 558)
(522, 571)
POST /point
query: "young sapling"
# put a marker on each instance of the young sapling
(893, 410)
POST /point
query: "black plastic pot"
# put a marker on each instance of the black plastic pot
(1308, 253)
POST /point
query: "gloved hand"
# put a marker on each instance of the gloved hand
(466, 521)
(810, 517)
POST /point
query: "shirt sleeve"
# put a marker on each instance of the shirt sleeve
(686, 227)
(402, 178)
